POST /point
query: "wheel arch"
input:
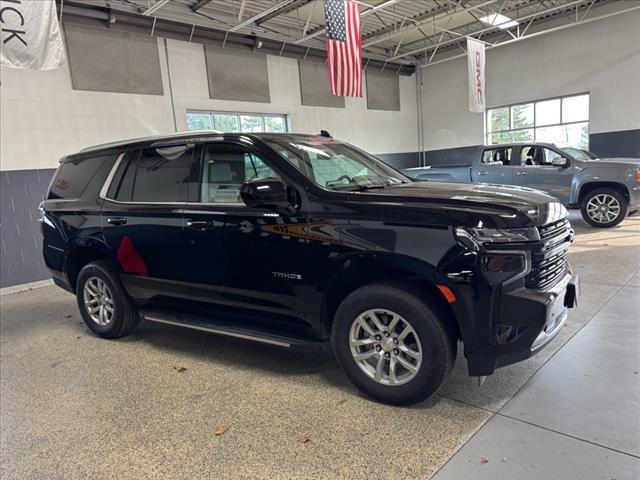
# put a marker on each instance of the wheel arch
(421, 277)
(82, 254)
(588, 187)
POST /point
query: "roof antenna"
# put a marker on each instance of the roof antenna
(324, 133)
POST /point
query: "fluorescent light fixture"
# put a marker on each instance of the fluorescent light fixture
(499, 20)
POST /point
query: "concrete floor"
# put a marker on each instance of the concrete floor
(74, 406)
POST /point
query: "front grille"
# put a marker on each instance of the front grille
(549, 263)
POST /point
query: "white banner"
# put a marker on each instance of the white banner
(30, 35)
(475, 69)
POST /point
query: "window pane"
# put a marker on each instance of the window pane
(575, 109)
(160, 175)
(578, 135)
(522, 116)
(548, 112)
(511, 136)
(73, 177)
(226, 123)
(199, 121)
(274, 124)
(256, 168)
(557, 134)
(500, 156)
(499, 119)
(250, 123)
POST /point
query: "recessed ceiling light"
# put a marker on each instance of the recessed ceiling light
(499, 20)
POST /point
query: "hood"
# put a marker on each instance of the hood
(504, 205)
(625, 162)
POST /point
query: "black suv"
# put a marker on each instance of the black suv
(305, 241)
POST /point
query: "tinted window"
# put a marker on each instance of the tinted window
(499, 156)
(158, 175)
(225, 168)
(73, 177)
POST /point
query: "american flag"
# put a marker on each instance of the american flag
(342, 23)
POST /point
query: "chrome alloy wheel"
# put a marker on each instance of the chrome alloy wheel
(603, 208)
(98, 301)
(385, 347)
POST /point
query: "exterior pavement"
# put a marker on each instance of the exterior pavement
(74, 406)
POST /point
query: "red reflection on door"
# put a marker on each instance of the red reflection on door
(130, 259)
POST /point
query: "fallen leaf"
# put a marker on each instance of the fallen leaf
(504, 459)
(68, 315)
(179, 369)
(221, 430)
(483, 460)
(78, 338)
(304, 439)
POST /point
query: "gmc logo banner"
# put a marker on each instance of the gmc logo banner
(475, 68)
(30, 35)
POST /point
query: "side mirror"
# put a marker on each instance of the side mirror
(560, 162)
(265, 192)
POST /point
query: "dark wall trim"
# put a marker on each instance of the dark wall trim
(400, 160)
(623, 143)
(21, 191)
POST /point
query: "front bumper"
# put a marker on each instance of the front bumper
(529, 320)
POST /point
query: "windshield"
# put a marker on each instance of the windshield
(579, 154)
(335, 165)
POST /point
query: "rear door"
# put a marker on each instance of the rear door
(495, 166)
(536, 170)
(142, 220)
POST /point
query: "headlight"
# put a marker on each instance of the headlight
(497, 235)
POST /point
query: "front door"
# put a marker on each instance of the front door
(242, 257)
(142, 221)
(536, 170)
(495, 166)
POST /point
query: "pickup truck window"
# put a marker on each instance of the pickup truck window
(225, 168)
(499, 156)
(538, 156)
(337, 166)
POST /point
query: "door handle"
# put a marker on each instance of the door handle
(198, 224)
(483, 173)
(521, 172)
(117, 221)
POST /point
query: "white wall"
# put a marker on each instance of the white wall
(601, 57)
(43, 118)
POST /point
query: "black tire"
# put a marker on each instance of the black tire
(603, 192)
(124, 318)
(429, 323)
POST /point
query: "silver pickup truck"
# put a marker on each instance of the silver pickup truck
(605, 189)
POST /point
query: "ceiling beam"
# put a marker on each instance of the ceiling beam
(537, 34)
(428, 18)
(487, 29)
(289, 8)
(155, 7)
(260, 15)
(369, 11)
(199, 5)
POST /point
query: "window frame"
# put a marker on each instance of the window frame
(212, 114)
(488, 132)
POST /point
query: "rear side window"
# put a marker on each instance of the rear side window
(157, 175)
(73, 176)
(497, 156)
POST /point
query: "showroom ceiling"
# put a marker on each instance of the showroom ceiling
(418, 32)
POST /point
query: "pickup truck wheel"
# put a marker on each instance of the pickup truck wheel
(104, 305)
(391, 344)
(604, 207)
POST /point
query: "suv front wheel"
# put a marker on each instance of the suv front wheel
(104, 305)
(391, 344)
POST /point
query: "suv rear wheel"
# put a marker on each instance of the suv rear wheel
(604, 207)
(104, 305)
(392, 345)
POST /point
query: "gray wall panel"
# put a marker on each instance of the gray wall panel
(111, 61)
(383, 90)
(625, 143)
(235, 74)
(21, 191)
(315, 90)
